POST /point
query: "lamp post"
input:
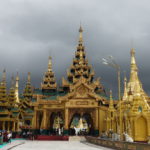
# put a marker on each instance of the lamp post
(112, 63)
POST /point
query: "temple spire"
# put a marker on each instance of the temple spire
(50, 64)
(17, 88)
(3, 92)
(12, 95)
(134, 68)
(28, 88)
(4, 76)
(80, 36)
(49, 83)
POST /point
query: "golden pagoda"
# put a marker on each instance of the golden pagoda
(49, 83)
(9, 112)
(26, 110)
(3, 93)
(79, 94)
(135, 111)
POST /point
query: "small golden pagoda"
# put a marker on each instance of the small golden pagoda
(49, 83)
(9, 113)
(135, 111)
(26, 110)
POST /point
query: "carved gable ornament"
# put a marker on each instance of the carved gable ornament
(82, 91)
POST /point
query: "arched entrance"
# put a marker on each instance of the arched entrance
(81, 124)
(88, 121)
(141, 129)
(56, 123)
(40, 117)
(74, 123)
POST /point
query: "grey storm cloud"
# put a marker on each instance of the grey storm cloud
(31, 30)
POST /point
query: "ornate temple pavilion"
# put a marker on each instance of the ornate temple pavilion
(80, 102)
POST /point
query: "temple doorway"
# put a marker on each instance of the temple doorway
(141, 129)
(81, 124)
(56, 123)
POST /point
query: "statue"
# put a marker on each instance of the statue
(127, 137)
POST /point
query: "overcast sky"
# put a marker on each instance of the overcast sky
(31, 30)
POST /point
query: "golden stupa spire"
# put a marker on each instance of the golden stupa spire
(4, 76)
(80, 35)
(29, 77)
(12, 94)
(134, 69)
(28, 88)
(17, 88)
(111, 104)
(49, 83)
(50, 64)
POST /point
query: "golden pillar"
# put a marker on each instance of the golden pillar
(14, 126)
(8, 126)
(34, 120)
(66, 118)
(45, 119)
(18, 126)
(96, 119)
(3, 125)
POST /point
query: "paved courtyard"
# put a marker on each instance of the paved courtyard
(52, 145)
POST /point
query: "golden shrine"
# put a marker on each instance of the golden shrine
(80, 102)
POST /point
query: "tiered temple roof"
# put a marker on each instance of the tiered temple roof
(28, 91)
(49, 82)
(81, 69)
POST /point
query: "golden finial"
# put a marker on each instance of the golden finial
(17, 77)
(110, 94)
(29, 76)
(132, 51)
(4, 75)
(125, 78)
(80, 35)
(50, 64)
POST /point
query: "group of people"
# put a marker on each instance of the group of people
(5, 136)
(28, 135)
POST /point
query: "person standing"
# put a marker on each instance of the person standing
(9, 136)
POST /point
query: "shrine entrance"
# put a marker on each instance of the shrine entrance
(81, 124)
(141, 129)
(56, 123)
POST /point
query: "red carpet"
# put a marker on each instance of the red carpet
(52, 138)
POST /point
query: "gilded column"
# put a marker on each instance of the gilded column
(8, 126)
(96, 122)
(45, 119)
(34, 120)
(96, 118)
(66, 121)
(3, 125)
(17, 126)
(14, 126)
